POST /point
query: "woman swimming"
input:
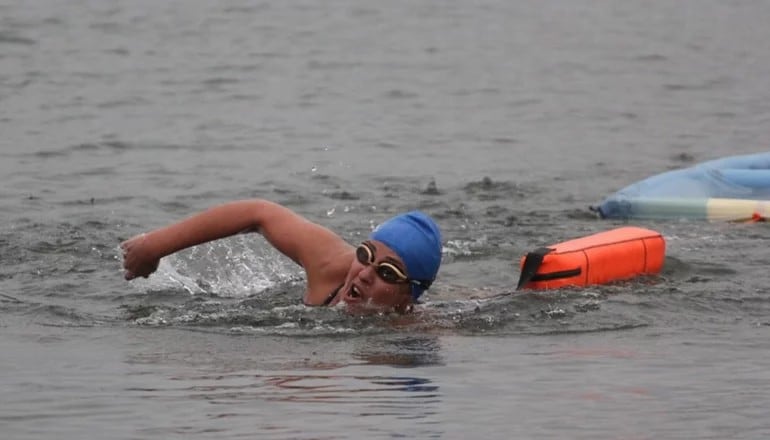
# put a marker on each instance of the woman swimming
(387, 272)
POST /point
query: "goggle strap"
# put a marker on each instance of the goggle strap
(425, 284)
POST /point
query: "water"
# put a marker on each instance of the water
(504, 120)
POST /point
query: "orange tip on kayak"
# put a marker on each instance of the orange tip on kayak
(613, 255)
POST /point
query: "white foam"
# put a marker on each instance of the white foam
(227, 268)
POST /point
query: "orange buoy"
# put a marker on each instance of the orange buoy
(612, 255)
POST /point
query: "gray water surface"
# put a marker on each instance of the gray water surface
(503, 120)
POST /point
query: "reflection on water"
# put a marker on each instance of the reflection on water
(374, 391)
(328, 386)
(410, 351)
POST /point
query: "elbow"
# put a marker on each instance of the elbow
(261, 212)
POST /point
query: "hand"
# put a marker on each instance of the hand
(138, 261)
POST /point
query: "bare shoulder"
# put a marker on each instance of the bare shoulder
(328, 275)
(323, 254)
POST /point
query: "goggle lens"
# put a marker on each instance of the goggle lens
(386, 271)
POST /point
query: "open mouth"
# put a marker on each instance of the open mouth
(354, 292)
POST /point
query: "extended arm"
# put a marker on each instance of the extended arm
(307, 243)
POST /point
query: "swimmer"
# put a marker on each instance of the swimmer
(388, 272)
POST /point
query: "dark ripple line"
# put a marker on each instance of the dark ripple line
(118, 147)
(8, 298)
(10, 38)
(619, 327)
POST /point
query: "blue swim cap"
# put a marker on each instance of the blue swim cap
(416, 239)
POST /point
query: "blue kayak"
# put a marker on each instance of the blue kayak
(730, 188)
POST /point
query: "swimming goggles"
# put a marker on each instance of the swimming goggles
(388, 272)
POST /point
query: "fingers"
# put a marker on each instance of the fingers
(128, 244)
(136, 261)
(129, 262)
(129, 275)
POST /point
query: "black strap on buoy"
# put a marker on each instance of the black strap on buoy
(532, 263)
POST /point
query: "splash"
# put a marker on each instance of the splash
(232, 268)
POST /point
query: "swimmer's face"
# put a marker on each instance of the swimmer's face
(376, 281)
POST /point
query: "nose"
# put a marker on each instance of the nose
(367, 274)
